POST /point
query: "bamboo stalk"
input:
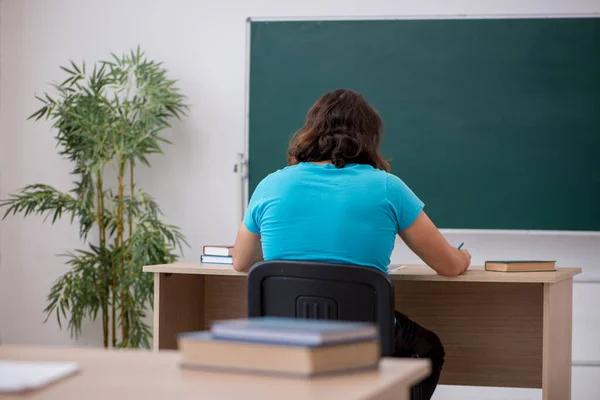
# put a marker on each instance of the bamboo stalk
(114, 306)
(116, 267)
(120, 234)
(102, 238)
(113, 272)
(132, 198)
(132, 195)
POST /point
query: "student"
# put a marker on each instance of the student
(336, 202)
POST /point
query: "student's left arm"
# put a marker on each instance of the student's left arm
(247, 250)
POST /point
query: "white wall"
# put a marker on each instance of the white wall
(203, 45)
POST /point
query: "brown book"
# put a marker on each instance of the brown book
(520, 266)
(201, 350)
(223, 251)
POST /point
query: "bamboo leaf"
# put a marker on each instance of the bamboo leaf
(39, 113)
(75, 67)
(67, 70)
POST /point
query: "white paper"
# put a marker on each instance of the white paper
(16, 376)
(395, 267)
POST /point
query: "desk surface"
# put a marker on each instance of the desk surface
(127, 374)
(409, 273)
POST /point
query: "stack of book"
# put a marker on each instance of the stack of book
(217, 255)
(282, 346)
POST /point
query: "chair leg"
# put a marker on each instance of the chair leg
(416, 393)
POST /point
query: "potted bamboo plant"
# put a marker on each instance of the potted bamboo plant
(112, 117)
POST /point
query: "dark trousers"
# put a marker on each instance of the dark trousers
(414, 341)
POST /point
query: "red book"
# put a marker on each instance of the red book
(222, 251)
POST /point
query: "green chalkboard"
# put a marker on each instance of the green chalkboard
(494, 123)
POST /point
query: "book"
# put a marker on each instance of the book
(223, 251)
(20, 376)
(215, 259)
(202, 350)
(520, 266)
(299, 332)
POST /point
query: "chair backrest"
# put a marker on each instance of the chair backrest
(297, 289)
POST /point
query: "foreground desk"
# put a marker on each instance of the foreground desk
(498, 329)
(147, 375)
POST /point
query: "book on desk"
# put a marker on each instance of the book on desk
(520, 266)
(220, 250)
(279, 346)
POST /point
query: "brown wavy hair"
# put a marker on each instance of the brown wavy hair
(340, 127)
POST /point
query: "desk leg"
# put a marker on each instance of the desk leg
(178, 307)
(558, 321)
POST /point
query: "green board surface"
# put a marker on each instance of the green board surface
(494, 123)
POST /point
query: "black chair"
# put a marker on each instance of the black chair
(300, 289)
(323, 291)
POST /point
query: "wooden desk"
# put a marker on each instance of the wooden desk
(498, 329)
(127, 374)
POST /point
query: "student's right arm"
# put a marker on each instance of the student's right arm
(419, 232)
(426, 241)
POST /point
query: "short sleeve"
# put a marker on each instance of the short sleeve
(404, 203)
(253, 214)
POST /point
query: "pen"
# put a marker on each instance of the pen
(461, 245)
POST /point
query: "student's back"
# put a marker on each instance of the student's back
(336, 201)
(317, 212)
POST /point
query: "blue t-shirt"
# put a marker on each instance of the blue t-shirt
(317, 212)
